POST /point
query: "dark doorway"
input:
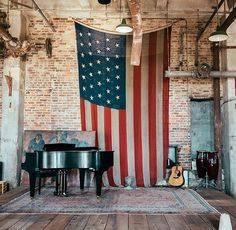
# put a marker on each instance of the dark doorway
(202, 126)
(1, 170)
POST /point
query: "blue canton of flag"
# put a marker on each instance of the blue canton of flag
(101, 63)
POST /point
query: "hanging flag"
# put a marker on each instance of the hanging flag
(126, 105)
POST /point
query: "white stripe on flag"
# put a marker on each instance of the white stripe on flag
(115, 145)
(101, 140)
(88, 119)
(129, 110)
(144, 111)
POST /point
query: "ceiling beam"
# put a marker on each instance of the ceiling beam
(229, 20)
(21, 4)
(209, 20)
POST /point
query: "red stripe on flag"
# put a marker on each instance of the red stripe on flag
(108, 140)
(82, 114)
(94, 117)
(165, 99)
(123, 145)
(107, 128)
(152, 107)
(137, 126)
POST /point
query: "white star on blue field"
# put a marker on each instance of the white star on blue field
(101, 65)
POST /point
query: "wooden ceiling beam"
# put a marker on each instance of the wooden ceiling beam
(135, 10)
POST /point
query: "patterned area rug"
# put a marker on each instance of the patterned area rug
(113, 200)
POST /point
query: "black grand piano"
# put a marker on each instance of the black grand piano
(59, 158)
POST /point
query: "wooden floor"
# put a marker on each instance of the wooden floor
(222, 202)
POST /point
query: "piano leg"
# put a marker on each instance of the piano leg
(81, 178)
(64, 183)
(32, 178)
(98, 176)
(56, 192)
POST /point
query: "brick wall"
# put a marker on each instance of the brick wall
(51, 89)
(182, 89)
(51, 86)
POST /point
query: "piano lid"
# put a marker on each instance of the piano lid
(66, 146)
(58, 147)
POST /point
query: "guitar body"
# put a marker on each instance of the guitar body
(176, 177)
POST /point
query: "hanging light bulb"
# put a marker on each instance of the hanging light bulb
(218, 35)
(123, 27)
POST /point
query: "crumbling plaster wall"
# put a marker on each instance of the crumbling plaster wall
(12, 107)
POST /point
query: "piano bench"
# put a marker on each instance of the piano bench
(44, 174)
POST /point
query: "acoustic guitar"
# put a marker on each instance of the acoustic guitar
(176, 177)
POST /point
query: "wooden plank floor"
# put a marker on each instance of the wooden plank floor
(222, 202)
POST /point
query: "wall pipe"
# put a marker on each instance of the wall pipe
(220, 74)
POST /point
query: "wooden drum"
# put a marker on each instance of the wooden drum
(207, 162)
(213, 165)
(201, 163)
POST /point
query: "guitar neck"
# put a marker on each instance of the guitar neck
(177, 155)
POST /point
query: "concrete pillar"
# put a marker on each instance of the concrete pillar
(229, 111)
(13, 107)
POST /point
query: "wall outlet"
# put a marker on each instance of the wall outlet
(189, 135)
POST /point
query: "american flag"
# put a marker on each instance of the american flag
(126, 105)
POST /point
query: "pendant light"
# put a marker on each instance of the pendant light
(104, 2)
(123, 27)
(218, 35)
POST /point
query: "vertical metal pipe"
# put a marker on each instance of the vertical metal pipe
(217, 114)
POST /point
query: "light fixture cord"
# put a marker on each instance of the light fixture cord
(8, 9)
(122, 4)
(120, 10)
(106, 11)
(217, 15)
